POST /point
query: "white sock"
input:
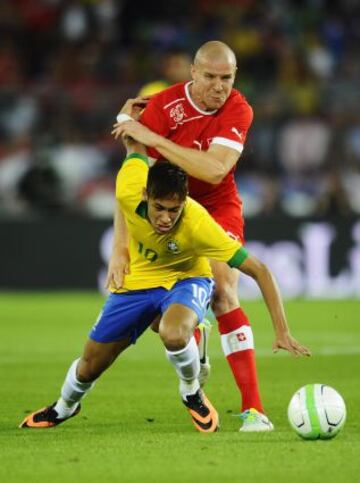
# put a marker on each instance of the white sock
(187, 365)
(64, 409)
(72, 392)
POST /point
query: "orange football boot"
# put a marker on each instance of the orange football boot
(45, 418)
(204, 416)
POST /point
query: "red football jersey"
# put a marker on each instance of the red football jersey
(173, 114)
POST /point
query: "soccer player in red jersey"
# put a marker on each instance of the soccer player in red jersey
(202, 126)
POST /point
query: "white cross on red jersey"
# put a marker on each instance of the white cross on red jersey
(173, 114)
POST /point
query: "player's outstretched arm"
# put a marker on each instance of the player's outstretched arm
(271, 293)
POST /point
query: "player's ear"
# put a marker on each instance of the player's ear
(144, 195)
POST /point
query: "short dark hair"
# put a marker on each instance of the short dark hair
(166, 180)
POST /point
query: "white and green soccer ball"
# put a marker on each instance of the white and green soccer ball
(317, 411)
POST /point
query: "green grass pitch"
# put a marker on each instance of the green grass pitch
(133, 427)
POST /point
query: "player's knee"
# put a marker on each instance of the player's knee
(174, 340)
(225, 299)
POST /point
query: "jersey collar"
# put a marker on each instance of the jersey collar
(187, 93)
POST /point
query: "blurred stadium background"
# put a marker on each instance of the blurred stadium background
(67, 66)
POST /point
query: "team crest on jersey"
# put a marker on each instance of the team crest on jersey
(177, 113)
(173, 247)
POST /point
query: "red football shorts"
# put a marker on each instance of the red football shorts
(229, 216)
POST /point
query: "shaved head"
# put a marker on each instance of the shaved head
(215, 52)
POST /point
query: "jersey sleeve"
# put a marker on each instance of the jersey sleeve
(234, 125)
(131, 180)
(154, 118)
(212, 241)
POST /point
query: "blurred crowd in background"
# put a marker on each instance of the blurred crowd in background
(67, 66)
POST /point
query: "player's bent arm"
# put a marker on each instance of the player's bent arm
(210, 166)
(261, 274)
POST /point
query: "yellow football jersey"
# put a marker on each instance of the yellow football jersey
(160, 260)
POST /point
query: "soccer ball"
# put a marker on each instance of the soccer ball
(317, 411)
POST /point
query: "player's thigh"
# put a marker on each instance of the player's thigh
(127, 315)
(226, 286)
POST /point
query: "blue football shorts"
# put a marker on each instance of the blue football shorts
(127, 315)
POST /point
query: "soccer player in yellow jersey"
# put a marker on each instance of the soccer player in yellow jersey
(171, 239)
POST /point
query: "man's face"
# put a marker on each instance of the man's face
(212, 84)
(164, 213)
